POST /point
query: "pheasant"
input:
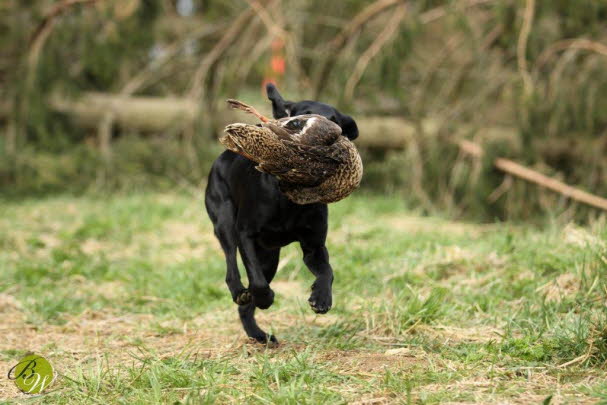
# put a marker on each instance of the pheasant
(308, 155)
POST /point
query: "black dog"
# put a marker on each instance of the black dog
(250, 213)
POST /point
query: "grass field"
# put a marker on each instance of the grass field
(125, 296)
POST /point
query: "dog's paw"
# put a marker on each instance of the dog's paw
(243, 297)
(263, 298)
(265, 339)
(320, 301)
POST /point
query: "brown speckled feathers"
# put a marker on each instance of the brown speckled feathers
(306, 153)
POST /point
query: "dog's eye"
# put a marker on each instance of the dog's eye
(294, 124)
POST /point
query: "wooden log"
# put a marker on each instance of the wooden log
(541, 180)
(152, 114)
(158, 114)
(535, 177)
(155, 114)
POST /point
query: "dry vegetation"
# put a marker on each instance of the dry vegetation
(124, 293)
(525, 79)
(125, 296)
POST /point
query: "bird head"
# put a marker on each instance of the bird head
(310, 129)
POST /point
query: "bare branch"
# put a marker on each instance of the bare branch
(43, 30)
(532, 176)
(575, 43)
(521, 48)
(382, 39)
(199, 78)
(439, 12)
(337, 43)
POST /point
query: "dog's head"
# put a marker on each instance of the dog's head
(282, 108)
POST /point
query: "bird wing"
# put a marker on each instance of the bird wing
(305, 165)
(283, 157)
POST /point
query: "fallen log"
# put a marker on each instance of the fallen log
(535, 177)
(158, 114)
(151, 114)
(541, 180)
(155, 114)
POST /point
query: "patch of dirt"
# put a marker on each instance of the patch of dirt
(578, 236)
(178, 241)
(521, 390)
(369, 364)
(432, 225)
(94, 336)
(290, 290)
(173, 242)
(103, 337)
(347, 230)
(373, 401)
(566, 285)
(193, 233)
(452, 334)
(93, 246)
(457, 265)
(283, 319)
(8, 303)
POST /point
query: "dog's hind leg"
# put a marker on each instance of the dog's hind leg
(223, 215)
(247, 312)
(223, 221)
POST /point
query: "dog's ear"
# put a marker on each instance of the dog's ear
(280, 107)
(348, 126)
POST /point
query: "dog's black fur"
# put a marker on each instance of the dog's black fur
(251, 214)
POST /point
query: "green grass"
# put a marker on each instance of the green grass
(125, 296)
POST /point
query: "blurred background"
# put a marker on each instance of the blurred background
(113, 96)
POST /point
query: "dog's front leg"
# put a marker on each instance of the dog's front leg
(259, 288)
(317, 260)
